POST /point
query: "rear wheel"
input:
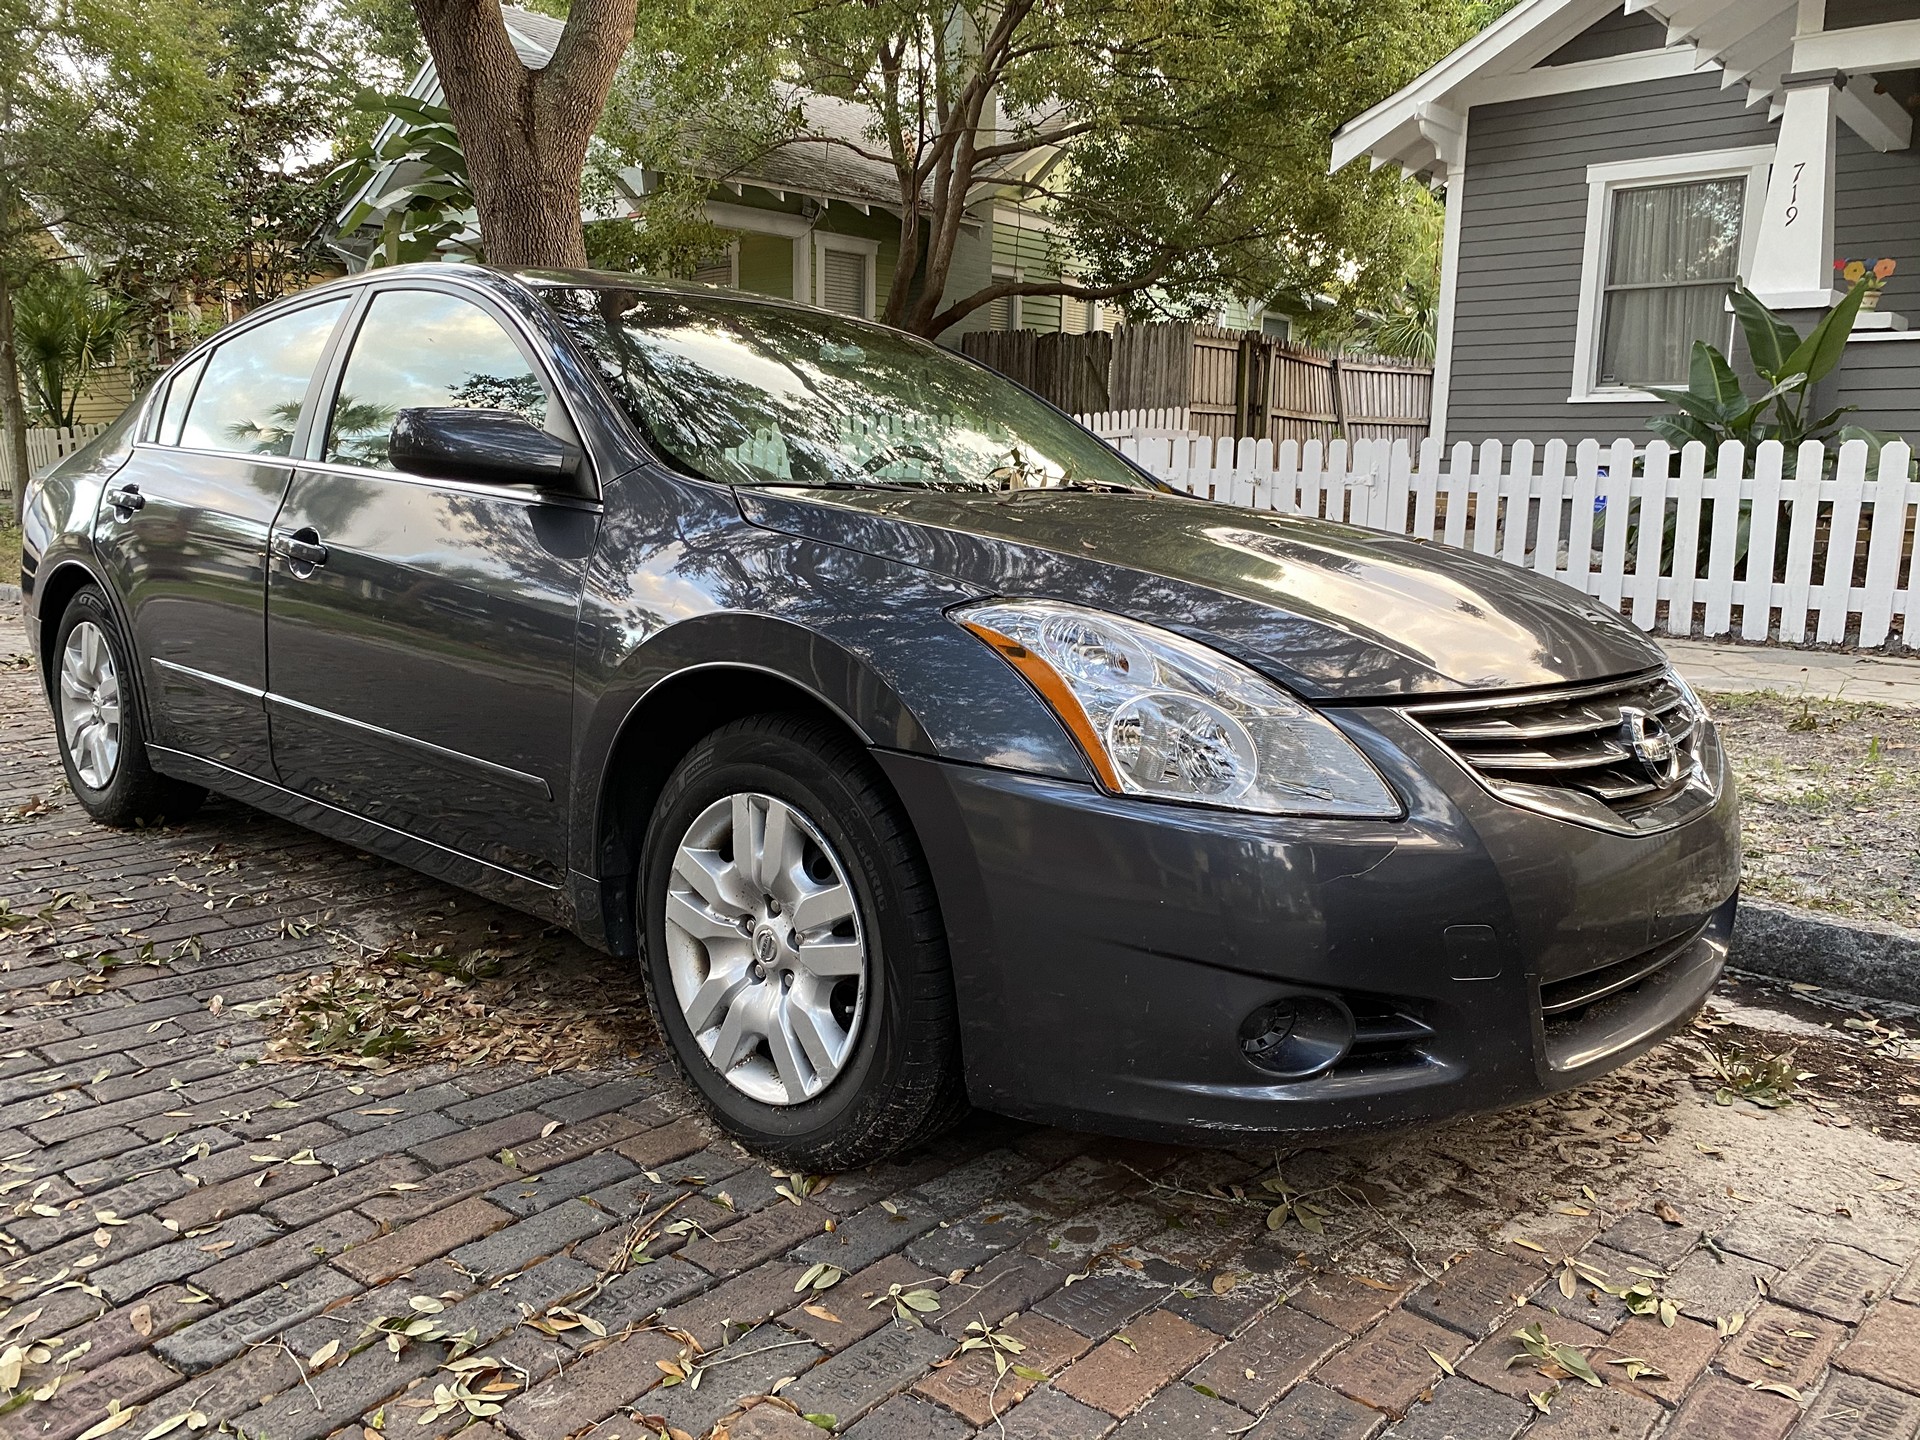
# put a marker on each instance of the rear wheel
(797, 962)
(97, 722)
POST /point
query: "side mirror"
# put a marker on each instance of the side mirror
(494, 447)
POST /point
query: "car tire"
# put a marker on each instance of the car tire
(876, 1068)
(97, 723)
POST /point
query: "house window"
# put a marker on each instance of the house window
(1667, 238)
(845, 265)
(722, 269)
(1004, 313)
(1672, 257)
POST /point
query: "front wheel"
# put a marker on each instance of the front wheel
(797, 961)
(97, 721)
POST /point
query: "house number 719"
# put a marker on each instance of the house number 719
(1793, 195)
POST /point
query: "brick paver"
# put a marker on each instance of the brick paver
(186, 1230)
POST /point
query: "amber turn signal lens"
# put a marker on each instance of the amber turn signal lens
(1045, 679)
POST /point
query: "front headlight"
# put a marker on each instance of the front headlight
(1160, 716)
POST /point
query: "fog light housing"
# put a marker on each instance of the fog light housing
(1297, 1037)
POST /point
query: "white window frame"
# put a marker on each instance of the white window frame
(1750, 163)
(825, 240)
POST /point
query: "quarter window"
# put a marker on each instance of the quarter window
(179, 392)
(250, 396)
(426, 349)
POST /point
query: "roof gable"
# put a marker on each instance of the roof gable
(1543, 46)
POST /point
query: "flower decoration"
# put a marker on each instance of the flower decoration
(1873, 274)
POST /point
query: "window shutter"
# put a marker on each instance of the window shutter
(843, 281)
(1000, 314)
(717, 271)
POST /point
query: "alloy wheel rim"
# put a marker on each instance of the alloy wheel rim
(766, 948)
(90, 705)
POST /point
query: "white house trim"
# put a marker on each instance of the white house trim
(757, 222)
(1571, 79)
(1892, 46)
(1750, 42)
(1751, 162)
(1449, 292)
(1792, 269)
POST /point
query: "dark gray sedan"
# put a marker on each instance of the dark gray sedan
(922, 750)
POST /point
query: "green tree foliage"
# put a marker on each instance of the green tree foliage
(289, 75)
(104, 123)
(415, 179)
(66, 325)
(1186, 141)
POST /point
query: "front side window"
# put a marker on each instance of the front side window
(1673, 253)
(250, 395)
(425, 349)
(751, 394)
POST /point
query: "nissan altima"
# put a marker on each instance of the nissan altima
(922, 750)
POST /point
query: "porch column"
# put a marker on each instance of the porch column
(1793, 259)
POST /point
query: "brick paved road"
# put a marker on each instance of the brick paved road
(196, 1240)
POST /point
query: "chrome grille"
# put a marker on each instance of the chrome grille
(1573, 750)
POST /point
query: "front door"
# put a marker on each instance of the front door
(182, 532)
(420, 632)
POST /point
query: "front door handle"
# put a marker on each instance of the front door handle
(301, 550)
(125, 501)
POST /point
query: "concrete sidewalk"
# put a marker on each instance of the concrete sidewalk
(1818, 674)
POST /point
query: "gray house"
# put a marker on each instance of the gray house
(1610, 169)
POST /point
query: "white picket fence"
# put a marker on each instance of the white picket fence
(1112, 425)
(44, 447)
(1737, 550)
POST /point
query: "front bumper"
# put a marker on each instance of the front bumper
(1106, 951)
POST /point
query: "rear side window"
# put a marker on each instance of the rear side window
(250, 395)
(426, 349)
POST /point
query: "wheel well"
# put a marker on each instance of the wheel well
(666, 724)
(55, 593)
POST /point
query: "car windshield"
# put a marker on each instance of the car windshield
(752, 394)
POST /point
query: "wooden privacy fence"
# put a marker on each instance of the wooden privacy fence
(1229, 383)
(45, 447)
(1681, 542)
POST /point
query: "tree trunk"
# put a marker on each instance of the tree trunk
(13, 414)
(525, 132)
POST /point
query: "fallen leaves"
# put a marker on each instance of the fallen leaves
(375, 1008)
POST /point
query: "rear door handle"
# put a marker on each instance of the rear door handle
(298, 553)
(126, 500)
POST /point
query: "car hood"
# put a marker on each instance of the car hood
(1335, 612)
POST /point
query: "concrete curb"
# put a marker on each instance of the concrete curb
(1791, 944)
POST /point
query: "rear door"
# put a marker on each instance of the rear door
(182, 531)
(421, 652)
